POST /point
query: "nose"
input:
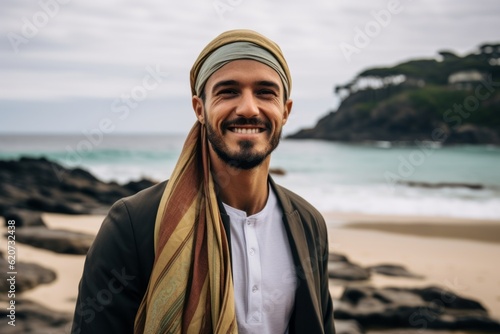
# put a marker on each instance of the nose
(247, 105)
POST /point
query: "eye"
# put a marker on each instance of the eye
(227, 92)
(267, 92)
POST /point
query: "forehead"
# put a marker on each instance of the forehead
(244, 71)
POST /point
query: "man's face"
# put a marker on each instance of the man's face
(244, 112)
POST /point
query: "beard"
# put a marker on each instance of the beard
(246, 157)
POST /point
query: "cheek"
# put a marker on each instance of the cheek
(215, 119)
(278, 117)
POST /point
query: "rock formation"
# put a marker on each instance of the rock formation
(45, 186)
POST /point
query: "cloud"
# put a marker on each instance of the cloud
(90, 51)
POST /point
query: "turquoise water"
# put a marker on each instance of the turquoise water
(332, 176)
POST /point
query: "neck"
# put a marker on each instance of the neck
(246, 190)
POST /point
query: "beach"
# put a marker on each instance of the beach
(461, 263)
(464, 265)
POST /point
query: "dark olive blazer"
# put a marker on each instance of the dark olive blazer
(119, 264)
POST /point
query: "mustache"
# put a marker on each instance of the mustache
(246, 121)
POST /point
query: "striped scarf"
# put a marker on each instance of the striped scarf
(190, 288)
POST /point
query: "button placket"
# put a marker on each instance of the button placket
(254, 272)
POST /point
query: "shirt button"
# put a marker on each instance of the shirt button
(252, 251)
(255, 288)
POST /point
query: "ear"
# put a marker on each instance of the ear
(287, 110)
(199, 108)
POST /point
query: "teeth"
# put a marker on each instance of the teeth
(246, 130)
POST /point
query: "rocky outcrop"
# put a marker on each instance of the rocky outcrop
(363, 308)
(30, 186)
(473, 134)
(337, 257)
(396, 120)
(393, 270)
(439, 185)
(341, 268)
(45, 186)
(34, 318)
(30, 276)
(23, 217)
(59, 241)
(277, 171)
(428, 308)
(347, 271)
(354, 122)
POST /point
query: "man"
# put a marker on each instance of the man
(219, 248)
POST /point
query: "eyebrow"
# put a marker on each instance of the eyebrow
(270, 84)
(226, 83)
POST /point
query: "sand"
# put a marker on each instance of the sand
(459, 254)
(61, 294)
(464, 263)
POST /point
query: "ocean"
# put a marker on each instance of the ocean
(376, 178)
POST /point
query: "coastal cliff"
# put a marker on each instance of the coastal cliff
(450, 100)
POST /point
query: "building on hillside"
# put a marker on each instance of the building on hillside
(465, 80)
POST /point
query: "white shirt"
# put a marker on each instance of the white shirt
(263, 269)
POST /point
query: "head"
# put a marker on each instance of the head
(241, 86)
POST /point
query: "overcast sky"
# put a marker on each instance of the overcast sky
(72, 65)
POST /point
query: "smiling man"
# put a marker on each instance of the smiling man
(219, 248)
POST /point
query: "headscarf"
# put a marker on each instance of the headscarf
(235, 51)
(190, 288)
(242, 35)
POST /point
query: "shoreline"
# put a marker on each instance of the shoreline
(480, 230)
(340, 217)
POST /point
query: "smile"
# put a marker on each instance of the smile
(246, 131)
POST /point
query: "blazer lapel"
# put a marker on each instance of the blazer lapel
(305, 298)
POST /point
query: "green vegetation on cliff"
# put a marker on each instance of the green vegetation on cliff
(452, 99)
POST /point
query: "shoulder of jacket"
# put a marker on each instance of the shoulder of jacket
(149, 195)
(142, 204)
(297, 202)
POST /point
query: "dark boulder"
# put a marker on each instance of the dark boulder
(59, 241)
(393, 270)
(277, 171)
(31, 317)
(136, 186)
(29, 276)
(43, 185)
(340, 268)
(55, 204)
(473, 134)
(23, 217)
(347, 271)
(337, 257)
(407, 308)
(447, 298)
